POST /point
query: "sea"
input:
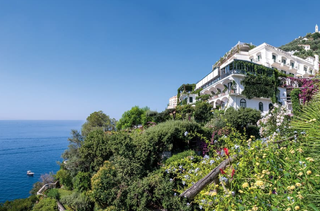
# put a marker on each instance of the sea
(30, 145)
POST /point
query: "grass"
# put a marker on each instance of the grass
(64, 192)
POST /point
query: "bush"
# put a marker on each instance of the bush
(53, 193)
(167, 136)
(242, 117)
(82, 182)
(78, 201)
(19, 204)
(47, 204)
(203, 112)
(64, 178)
(180, 156)
(154, 192)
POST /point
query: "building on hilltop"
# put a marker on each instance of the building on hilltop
(306, 47)
(316, 28)
(224, 81)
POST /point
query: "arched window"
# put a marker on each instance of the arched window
(243, 103)
(261, 106)
(270, 106)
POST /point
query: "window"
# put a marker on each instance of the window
(270, 106)
(258, 57)
(190, 99)
(284, 61)
(292, 64)
(274, 57)
(305, 68)
(243, 103)
(261, 106)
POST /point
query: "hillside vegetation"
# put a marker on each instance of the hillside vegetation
(310, 39)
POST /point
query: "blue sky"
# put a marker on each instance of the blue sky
(62, 60)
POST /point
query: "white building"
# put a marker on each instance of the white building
(306, 47)
(172, 102)
(223, 82)
(189, 98)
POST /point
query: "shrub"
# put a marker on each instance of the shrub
(203, 112)
(19, 204)
(47, 204)
(154, 192)
(53, 193)
(180, 156)
(64, 178)
(78, 201)
(167, 136)
(82, 182)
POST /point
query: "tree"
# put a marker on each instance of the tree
(242, 117)
(203, 112)
(64, 178)
(98, 120)
(95, 150)
(72, 160)
(134, 117)
(82, 181)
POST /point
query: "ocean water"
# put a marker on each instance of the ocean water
(30, 145)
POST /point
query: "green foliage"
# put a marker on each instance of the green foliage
(71, 156)
(82, 182)
(242, 118)
(78, 201)
(308, 122)
(180, 156)
(296, 107)
(19, 204)
(204, 97)
(184, 112)
(153, 192)
(105, 185)
(313, 41)
(98, 120)
(47, 204)
(167, 136)
(203, 112)
(134, 117)
(53, 193)
(263, 178)
(95, 150)
(64, 178)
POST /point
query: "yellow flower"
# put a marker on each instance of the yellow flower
(309, 159)
(255, 208)
(257, 163)
(309, 172)
(297, 208)
(298, 184)
(292, 151)
(259, 183)
(245, 185)
(288, 209)
(240, 191)
(300, 173)
(300, 150)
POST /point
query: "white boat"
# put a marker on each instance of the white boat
(30, 173)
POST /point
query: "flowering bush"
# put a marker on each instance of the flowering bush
(276, 122)
(265, 177)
